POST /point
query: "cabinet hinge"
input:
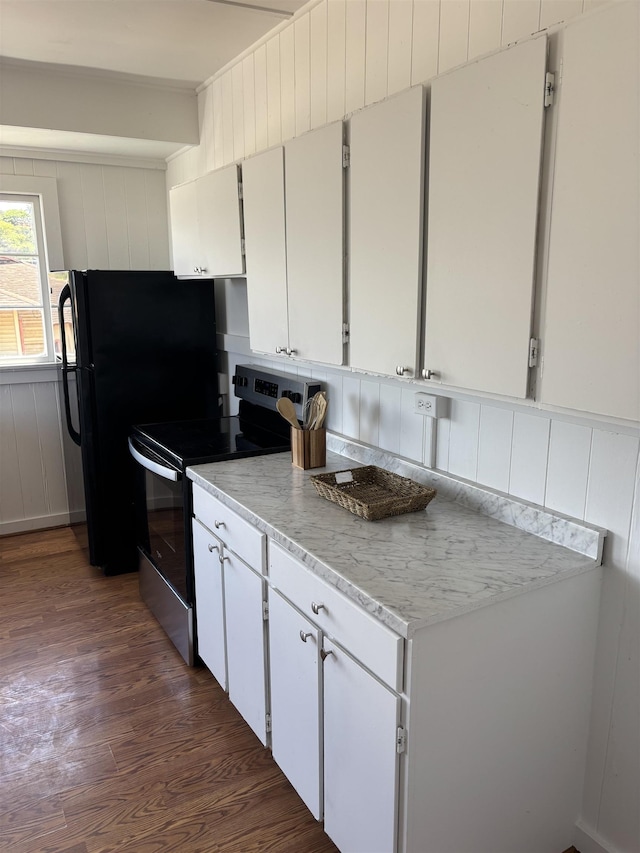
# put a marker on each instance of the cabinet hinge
(401, 740)
(268, 722)
(549, 88)
(534, 344)
(346, 156)
(242, 245)
(345, 333)
(265, 610)
(240, 191)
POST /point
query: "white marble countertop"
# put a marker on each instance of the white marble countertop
(410, 570)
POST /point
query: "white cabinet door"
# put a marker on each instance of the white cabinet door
(295, 672)
(210, 618)
(385, 233)
(183, 209)
(591, 332)
(265, 243)
(220, 222)
(244, 617)
(360, 760)
(485, 139)
(314, 193)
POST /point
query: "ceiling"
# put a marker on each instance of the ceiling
(181, 42)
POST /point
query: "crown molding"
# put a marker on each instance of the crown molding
(83, 157)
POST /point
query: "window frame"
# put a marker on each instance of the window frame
(52, 259)
(45, 290)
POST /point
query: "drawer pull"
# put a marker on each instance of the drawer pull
(219, 524)
(317, 607)
(222, 559)
(213, 548)
(304, 636)
(324, 654)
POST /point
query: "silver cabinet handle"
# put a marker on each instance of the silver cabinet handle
(304, 636)
(280, 350)
(213, 548)
(430, 374)
(324, 654)
(400, 370)
(290, 351)
(219, 524)
(222, 559)
(317, 607)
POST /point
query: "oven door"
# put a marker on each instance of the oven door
(162, 549)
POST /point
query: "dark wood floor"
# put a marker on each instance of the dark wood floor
(108, 741)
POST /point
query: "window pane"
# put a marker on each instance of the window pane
(17, 228)
(19, 282)
(21, 333)
(57, 281)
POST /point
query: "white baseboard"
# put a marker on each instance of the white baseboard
(587, 840)
(24, 525)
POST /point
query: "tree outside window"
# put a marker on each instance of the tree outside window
(28, 294)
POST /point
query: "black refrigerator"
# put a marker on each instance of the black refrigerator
(145, 352)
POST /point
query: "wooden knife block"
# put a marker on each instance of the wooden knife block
(309, 448)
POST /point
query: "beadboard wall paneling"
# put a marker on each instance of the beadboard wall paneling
(32, 482)
(494, 447)
(399, 51)
(336, 59)
(340, 56)
(111, 217)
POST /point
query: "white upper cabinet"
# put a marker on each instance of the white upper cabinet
(264, 228)
(185, 239)
(206, 226)
(486, 125)
(591, 335)
(314, 194)
(385, 233)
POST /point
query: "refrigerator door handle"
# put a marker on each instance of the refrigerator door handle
(65, 295)
(151, 465)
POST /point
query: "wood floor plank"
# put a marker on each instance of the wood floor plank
(108, 741)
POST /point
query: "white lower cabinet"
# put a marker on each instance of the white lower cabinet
(210, 602)
(468, 735)
(245, 630)
(334, 724)
(230, 615)
(361, 718)
(295, 667)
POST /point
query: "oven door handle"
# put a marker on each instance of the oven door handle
(161, 470)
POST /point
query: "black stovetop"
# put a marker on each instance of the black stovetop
(253, 432)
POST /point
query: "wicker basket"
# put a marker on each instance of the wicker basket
(372, 492)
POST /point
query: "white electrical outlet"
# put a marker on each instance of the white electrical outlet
(430, 405)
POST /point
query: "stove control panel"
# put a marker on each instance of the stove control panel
(264, 387)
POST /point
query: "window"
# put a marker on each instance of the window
(29, 327)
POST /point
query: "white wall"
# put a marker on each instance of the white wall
(335, 58)
(112, 217)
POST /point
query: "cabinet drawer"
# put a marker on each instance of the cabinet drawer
(376, 646)
(236, 533)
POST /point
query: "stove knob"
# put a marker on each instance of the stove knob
(294, 396)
